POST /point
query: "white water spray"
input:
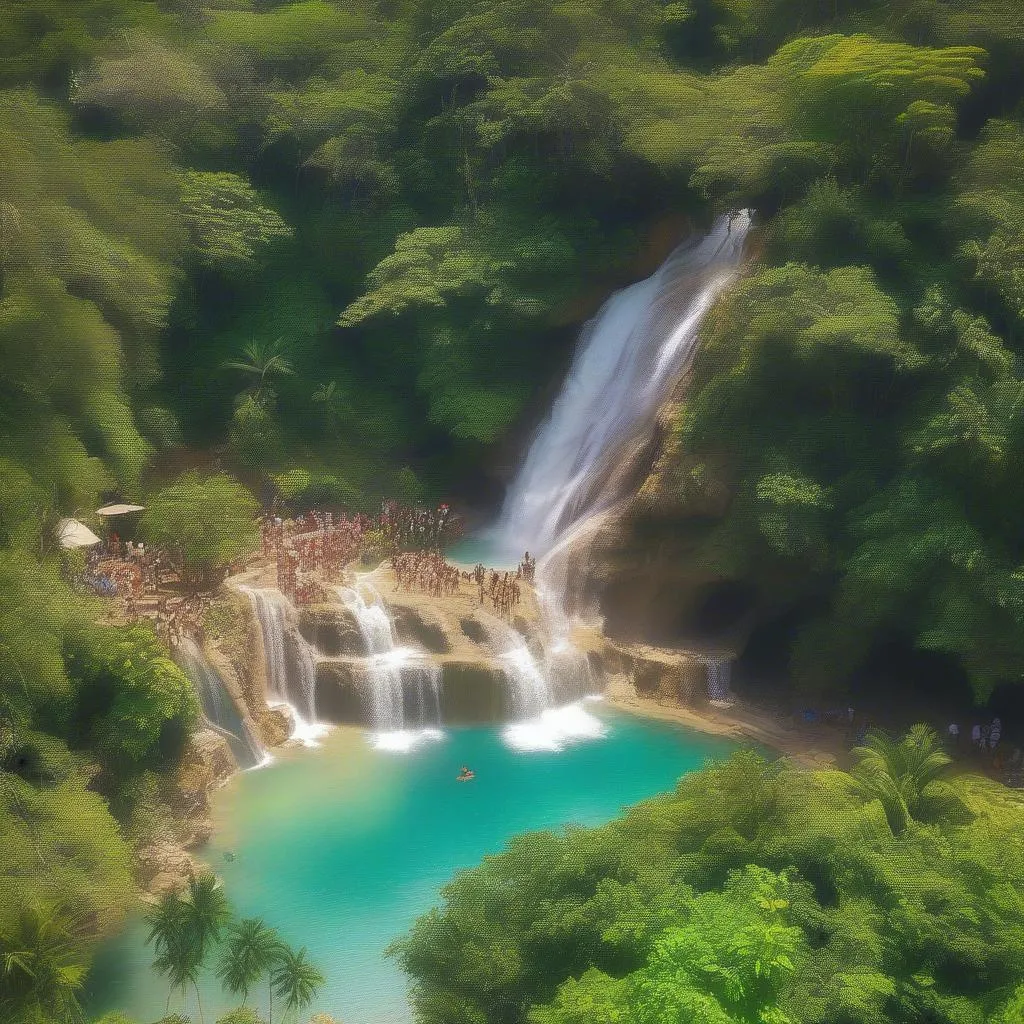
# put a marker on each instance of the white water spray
(628, 358)
(392, 673)
(219, 709)
(289, 681)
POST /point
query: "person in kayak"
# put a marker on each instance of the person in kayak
(465, 774)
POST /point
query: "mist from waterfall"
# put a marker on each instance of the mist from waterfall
(395, 676)
(626, 363)
(544, 717)
(289, 681)
(219, 709)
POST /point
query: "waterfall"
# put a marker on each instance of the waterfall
(527, 685)
(627, 361)
(218, 708)
(291, 681)
(395, 676)
(538, 722)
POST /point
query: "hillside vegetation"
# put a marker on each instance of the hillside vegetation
(335, 248)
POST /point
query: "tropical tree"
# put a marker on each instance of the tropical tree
(261, 360)
(174, 957)
(295, 979)
(183, 929)
(241, 1015)
(897, 772)
(206, 522)
(41, 968)
(252, 951)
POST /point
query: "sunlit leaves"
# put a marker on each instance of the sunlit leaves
(206, 522)
(991, 200)
(227, 219)
(145, 82)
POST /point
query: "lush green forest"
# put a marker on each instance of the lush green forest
(336, 249)
(756, 893)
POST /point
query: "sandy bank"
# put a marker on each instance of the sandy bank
(810, 747)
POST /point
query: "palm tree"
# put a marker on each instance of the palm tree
(183, 930)
(897, 772)
(334, 402)
(206, 912)
(252, 950)
(41, 972)
(295, 979)
(174, 957)
(262, 360)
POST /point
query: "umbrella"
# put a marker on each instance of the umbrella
(118, 510)
(73, 534)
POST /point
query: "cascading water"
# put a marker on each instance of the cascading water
(528, 686)
(392, 672)
(538, 723)
(628, 359)
(218, 708)
(291, 681)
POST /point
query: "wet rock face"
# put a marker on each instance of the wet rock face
(650, 672)
(207, 762)
(420, 628)
(474, 630)
(332, 628)
(162, 867)
(473, 691)
(341, 696)
(278, 724)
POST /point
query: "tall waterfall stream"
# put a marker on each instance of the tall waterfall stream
(628, 359)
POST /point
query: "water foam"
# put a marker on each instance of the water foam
(403, 741)
(554, 729)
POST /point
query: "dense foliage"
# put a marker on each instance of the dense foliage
(756, 893)
(204, 524)
(343, 244)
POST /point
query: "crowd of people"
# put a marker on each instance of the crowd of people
(427, 571)
(318, 545)
(417, 529)
(133, 575)
(310, 548)
(986, 741)
(502, 588)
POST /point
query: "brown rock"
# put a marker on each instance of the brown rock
(332, 628)
(278, 724)
(421, 627)
(162, 867)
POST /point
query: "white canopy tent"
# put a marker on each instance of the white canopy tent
(119, 510)
(73, 534)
